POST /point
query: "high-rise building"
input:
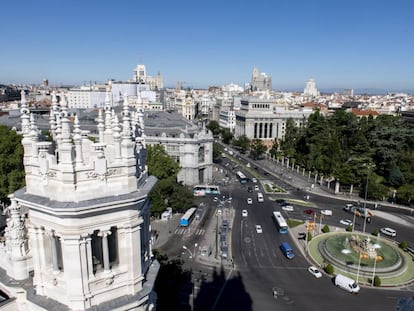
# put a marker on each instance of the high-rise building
(80, 230)
(261, 81)
(310, 89)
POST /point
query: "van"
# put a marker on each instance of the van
(260, 197)
(287, 250)
(347, 284)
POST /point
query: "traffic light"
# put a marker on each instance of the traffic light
(311, 225)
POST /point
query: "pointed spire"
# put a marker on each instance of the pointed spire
(126, 124)
(77, 139)
(108, 108)
(65, 134)
(101, 127)
(24, 114)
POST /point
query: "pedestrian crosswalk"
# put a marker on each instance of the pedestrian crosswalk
(188, 231)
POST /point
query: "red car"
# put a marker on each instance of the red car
(309, 211)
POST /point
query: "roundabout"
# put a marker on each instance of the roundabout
(362, 257)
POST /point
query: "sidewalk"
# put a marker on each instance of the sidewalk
(296, 179)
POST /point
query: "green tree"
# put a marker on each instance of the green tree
(217, 151)
(405, 194)
(160, 164)
(226, 136)
(329, 269)
(243, 142)
(214, 127)
(257, 149)
(11, 163)
(167, 192)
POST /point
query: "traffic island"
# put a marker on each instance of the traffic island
(362, 257)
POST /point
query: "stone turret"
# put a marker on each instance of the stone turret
(67, 169)
(85, 210)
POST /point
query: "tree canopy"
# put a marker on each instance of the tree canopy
(342, 146)
(167, 192)
(11, 163)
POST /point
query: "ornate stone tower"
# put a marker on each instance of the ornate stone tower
(87, 212)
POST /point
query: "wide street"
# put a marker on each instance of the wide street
(259, 267)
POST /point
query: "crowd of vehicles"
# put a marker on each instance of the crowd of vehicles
(361, 212)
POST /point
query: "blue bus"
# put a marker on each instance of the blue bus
(187, 217)
(242, 178)
(280, 223)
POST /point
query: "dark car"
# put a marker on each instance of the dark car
(309, 211)
(250, 188)
(281, 201)
(302, 235)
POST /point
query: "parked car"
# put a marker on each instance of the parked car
(388, 231)
(326, 212)
(346, 222)
(249, 201)
(315, 272)
(287, 208)
(302, 235)
(244, 213)
(259, 229)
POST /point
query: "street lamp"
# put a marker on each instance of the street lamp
(366, 194)
(192, 255)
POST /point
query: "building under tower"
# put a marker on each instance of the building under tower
(78, 235)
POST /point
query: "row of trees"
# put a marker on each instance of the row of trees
(355, 151)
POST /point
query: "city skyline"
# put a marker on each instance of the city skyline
(355, 44)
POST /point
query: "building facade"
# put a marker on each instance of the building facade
(261, 119)
(80, 228)
(187, 143)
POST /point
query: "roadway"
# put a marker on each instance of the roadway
(263, 267)
(259, 266)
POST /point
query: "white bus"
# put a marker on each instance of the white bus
(242, 178)
(280, 223)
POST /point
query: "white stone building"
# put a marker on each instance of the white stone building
(187, 143)
(78, 236)
(261, 119)
(310, 89)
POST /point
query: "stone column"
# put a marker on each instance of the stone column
(53, 243)
(337, 187)
(105, 250)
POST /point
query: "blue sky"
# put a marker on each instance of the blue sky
(341, 44)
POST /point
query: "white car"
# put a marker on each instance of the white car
(254, 180)
(315, 272)
(388, 231)
(244, 213)
(249, 201)
(346, 222)
(287, 208)
(256, 188)
(259, 229)
(326, 212)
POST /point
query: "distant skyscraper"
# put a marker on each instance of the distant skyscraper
(261, 81)
(140, 74)
(310, 89)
